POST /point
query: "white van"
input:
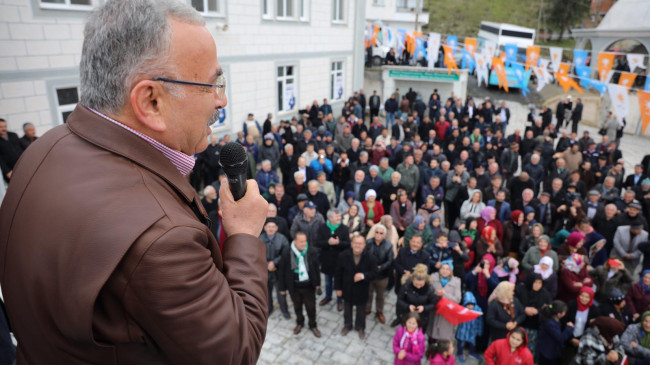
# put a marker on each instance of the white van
(503, 33)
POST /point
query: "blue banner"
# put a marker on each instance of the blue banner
(511, 52)
(646, 87)
(580, 57)
(468, 61)
(521, 75)
(419, 48)
(452, 41)
(401, 36)
(584, 73)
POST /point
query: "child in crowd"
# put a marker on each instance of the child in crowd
(468, 332)
(512, 350)
(441, 353)
(409, 342)
(551, 338)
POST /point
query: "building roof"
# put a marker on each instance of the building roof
(627, 15)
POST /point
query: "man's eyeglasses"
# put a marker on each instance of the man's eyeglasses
(220, 85)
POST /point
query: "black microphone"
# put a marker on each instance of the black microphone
(234, 161)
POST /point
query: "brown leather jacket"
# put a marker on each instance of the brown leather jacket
(104, 261)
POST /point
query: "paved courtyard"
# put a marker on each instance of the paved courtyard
(283, 347)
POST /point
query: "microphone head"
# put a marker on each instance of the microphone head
(233, 159)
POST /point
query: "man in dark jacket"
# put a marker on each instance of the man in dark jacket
(374, 103)
(355, 270)
(408, 257)
(276, 243)
(10, 150)
(576, 116)
(390, 106)
(300, 275)
(382, 250)
(332, 238)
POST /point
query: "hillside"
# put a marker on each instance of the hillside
(463, 17)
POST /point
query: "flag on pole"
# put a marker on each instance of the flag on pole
(450, 61)
(452, 41)
(605, 63)
(564, 68)
(511, 52)
(470, 46)
(635, 60)
(532, 56)
(566, 82)
(540, 73)
(491, 48)
(482, 68)
(520, 73)
(584, 72)
(580, 57)
(644, 107)
(433, 44)
(455, 313)
(620, 100)
(401, 38)
(500, 69)
(556, 58)
(468, 61)
(626, 79)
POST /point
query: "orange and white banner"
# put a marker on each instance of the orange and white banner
(620, 100)
(626, 79)
(450, 61)
(644, 106)
(635, 60)
(470, 46)
(532, 56)
(564, 68)
(566, 82)
(605, 63)
(500, 68)
(556, 58)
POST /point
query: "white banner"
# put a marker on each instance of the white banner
(542, 79)
(620, 100)
(338, 86)
(289, 99)
(556, 58)
(433, 45)
(482, 68)
(635, 60)
(491, 48)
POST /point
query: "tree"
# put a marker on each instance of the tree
(564, 14)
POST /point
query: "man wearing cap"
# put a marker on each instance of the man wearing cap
(632, 216)
(626, 242)
(308, 220)
(595, 207)
(276, 243)
(629, 196)
(332, 238)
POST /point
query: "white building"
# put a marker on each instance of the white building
(398, 13)
(267, 48)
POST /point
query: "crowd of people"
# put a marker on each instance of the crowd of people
(543, 232)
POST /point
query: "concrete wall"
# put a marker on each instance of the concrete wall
(424, 85)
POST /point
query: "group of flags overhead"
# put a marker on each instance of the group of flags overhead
(508, 62)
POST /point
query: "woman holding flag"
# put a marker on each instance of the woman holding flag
(445, 285)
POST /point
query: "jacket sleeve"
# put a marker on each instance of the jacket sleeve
(491, 317)
(389, 261)
(374, 272)
(195, 312)
(520, 315)
(396, 341)
(618, 244)
(338, 275)
(490, 354)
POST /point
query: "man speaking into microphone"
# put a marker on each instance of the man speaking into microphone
(106, 255)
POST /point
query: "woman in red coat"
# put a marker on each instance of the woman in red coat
(512, 350)
(573, 277)
(374, 209)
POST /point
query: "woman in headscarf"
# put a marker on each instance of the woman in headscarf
(489, 218)
(505, 312)
(559, 238)
(481, 281)
(514, 231)
(546, 271)
(601, 343)
(636, 341)
(353, 220)
(579, 312)
(428, 208)
(611, 275)
(574, 244)
(489, 243)
(402, 212)
(420, 226)
(374, 210)
(535, 254)
(445, 285)
(473, 206)
(573, 277)
(638, 297)
(533, 295)
(530, 240)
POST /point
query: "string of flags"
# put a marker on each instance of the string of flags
(507, 63)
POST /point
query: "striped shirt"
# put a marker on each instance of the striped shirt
(181, 161)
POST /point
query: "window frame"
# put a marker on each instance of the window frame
(283, 79)
(333, 73)
(269, 7)
(284, 16)
(67, 5)
(220, 13)
(65, 108)
(340, 6)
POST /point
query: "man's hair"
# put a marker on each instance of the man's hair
(299, 233)
(332, 212)
(125, 40)
(27, 125)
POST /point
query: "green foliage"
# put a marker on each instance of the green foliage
(463, 17)
(564, 14)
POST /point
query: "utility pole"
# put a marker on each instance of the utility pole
(417, 13)
(539, 18)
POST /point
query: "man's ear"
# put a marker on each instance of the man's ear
(148, 100)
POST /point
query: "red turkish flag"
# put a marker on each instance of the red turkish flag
(455, 313)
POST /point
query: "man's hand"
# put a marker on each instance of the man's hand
(612, 356)
(283, 293)
(9, 174)
(440, 292)
(635, 316)
(333, 241)
(633, 344)
(420, 308)
(247, 215)
(339, 293)
(511, 325)
(438, 264)
(271, 266)
(358, 277)
(577, 284)
(412, 308)
(575, 342)
(570, 324)
(531, 311)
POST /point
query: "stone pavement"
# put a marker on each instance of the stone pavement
(282, 346)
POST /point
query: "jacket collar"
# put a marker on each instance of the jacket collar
(120, 141)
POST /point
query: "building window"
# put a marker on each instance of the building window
(336, 81)
(338, 14)
(267, 12)
(286, 81)
(304, 10)
(67, 4)
(410, 4)
(67, 99)
(378, 2)
(285, 9)
(209, 7)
